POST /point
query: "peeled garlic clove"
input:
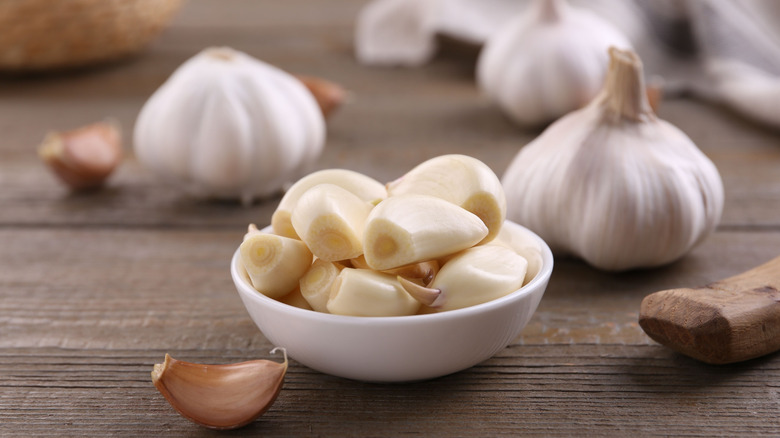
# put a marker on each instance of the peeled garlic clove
(547, 62)
(85, 157)
(476, 275)
(227, 125)
(274, 263)
(315, 285)
(411, 228)
(251, 230)
(329, 95)
(362, 186)
(362, 292)
(636, 191)
(220, 396)
(465, 181)
(359, 262)
(526, 245)
(330, 220)
(296, 299)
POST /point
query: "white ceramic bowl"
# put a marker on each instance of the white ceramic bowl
(397, 348)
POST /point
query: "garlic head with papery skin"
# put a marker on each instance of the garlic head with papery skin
(227, 125)
(612, 183)
(547, 62)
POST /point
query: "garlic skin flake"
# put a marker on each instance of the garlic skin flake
(549, 61)
(227, 125)
(612, 183)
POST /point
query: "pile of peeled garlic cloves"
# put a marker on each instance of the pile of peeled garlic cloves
(430, 241)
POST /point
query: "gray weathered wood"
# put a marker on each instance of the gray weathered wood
(96, 288)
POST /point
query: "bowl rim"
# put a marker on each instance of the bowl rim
(248, 291)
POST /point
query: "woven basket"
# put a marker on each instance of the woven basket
(40, 35)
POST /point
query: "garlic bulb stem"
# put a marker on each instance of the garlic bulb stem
(550, 10)
(624, 93)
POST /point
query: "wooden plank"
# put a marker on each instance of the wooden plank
(531, 390)
(96, 288)
(125, 288)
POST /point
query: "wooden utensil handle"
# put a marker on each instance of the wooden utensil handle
(727, 321)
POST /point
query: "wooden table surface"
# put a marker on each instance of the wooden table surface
(96, 288)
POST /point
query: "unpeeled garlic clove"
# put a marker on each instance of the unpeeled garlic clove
(423, 271)
(83, 158)
(220, 396)
(329, 95)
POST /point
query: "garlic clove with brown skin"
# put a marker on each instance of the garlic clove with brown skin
(220, 396)
(329, 95)
(424, 271)
(83, 158)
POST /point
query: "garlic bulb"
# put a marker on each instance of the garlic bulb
(403, 32)
(547, 62)
(740, 53)
(395, 32)
(614, 184)
(227, 125)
